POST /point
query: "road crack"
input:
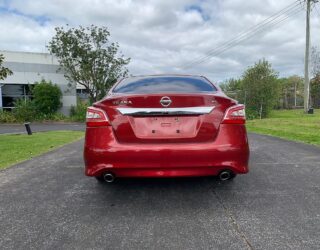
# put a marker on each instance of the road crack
(234, 223)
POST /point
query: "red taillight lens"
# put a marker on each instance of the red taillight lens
(96, 117)
(235, 115)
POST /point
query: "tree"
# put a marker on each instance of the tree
(46, 97)
(315, 61)
(291, 92)
(261, 88)
(233, 88)
(4, 72)
(89, 58)
(315, 81)
(315, 91)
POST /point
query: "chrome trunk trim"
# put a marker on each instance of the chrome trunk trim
(165, 111)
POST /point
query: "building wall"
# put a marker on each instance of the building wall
(30, 67)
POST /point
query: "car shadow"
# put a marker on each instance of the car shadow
(158, 194)
(131, 184)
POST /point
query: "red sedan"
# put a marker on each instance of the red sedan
(165, 126)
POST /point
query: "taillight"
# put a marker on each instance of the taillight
(96, 117)
(235, 115)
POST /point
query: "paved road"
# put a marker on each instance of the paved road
(47, 203)
(39, 127)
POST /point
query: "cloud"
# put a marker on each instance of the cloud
(162, 36)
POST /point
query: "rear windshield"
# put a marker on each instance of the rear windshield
(164, 84)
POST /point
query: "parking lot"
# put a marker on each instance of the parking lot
(47, 203)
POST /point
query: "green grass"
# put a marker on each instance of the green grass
(289, 124)
(20, 147)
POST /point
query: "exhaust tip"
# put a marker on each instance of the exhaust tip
(109, 177)
(226, 175)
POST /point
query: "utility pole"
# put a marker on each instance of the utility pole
(306, 60)
(295, 94)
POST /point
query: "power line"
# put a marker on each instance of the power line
(271, 21)
(240, 41)
(317, 10)
(244, 35)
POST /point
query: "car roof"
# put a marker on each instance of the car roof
(165, 75)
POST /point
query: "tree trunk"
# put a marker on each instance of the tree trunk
(285, 99)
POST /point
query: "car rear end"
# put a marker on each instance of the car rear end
(165, 126)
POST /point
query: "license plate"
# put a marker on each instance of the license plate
(165, 127)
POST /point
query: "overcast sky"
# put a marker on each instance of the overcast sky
(162, 36)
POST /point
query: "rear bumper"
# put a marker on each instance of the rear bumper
(103, 153)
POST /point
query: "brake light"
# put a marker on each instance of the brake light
(235, 115)
(96, 117)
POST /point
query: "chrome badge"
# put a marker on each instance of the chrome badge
(122, 102)
(165, 101)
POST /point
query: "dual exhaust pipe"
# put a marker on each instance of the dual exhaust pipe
(223, 176)
(109, 177)
(226, 175)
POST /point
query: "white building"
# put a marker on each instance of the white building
(28, 68)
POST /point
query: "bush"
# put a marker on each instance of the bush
(260, 88)
(51, 117)
(252, 113)
(46, 97)
(24, 111)
(78, 112)
(7, 117)
(59, 117)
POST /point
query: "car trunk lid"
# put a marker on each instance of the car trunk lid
(165, 118)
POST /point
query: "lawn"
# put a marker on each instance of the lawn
(20, 147)
(289, 124)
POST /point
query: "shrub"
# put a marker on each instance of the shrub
(52, 117)
(24, 110)
(260, 88)
(59, 117)
(7, 117)
(78, 112)
(46, 97)
(252, 113)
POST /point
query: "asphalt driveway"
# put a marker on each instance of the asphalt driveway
(47, 203)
